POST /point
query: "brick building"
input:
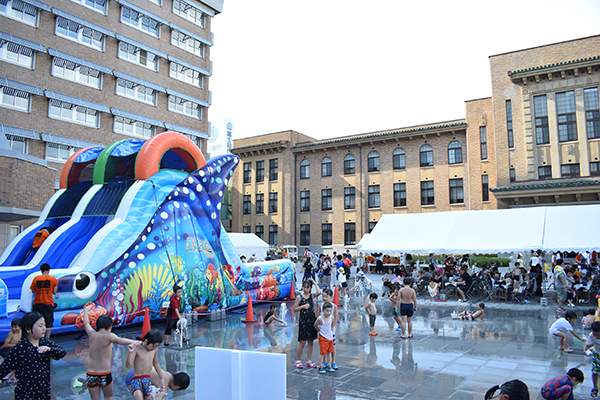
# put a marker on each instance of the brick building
(534, 141)
(77, 73)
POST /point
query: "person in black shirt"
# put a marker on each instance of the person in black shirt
(464, 283)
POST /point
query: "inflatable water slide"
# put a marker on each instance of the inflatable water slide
(131, 220)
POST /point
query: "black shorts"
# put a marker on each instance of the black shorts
(406, 309)
(344, 284)
(372, 320)
(47, 312)
(170, 325)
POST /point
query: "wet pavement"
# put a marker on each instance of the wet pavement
(446, 359)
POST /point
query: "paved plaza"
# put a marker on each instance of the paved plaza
(446, 359)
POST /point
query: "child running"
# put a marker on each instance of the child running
(327, 299)
(270, 316)
(142, 357)
(593, 341)
(561, 326)
(561, 387)
(13, 337)
(306, 324)
(467, 316)
(99, 375)
(30, 358)
(372, 313)
(324, 325)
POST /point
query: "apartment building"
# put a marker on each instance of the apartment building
(78, 73)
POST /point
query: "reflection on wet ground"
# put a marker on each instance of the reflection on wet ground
(446, 359)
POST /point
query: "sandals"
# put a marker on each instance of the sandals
(410, 336)
(594, 393)
(568, 350)
(299, 365)
(310, 364)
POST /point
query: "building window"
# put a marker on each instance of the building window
(540, 108)
(349, 164)
(260, 203)
(185, 74)
(485, 188)
(259, 230)
(455, 152)
(246, 229)
(272, 203)
(273, 169)
(374, 196)
(20, 11)
(595, 168)
(16, 54)
(545, 172)
(79, 33)
(326, 235)
(399, 194)
(349, 233)
(399, 158)
(136, 92)
(456, 191)
(509, 124)
(272, 234)
(326, 199)
(15, 99)
(138, 56)
(565, 112)
(483, 142)
(260, 171)
(130, 127)
(76, 73)
(73, 113)
(187, 43)
(427, 196)
(140, 21)
(18, 144)
(96, 5)
(186, 11)
(592, 113)
(372, 225)
(247, 204)
(326, 167)
(373, 161)
(247, 172)
(185, 107)
(59, 152)
(304, 235)
(426, 155)
(569, 170)
(305, 200)
(349, 198)
(304, 169)
(512, 174)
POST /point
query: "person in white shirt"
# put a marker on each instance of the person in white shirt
(366, 287)
(561, 326)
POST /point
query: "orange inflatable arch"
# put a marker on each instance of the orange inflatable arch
(148, 161)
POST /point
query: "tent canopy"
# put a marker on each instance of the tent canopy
(564, 228)
(247, 244)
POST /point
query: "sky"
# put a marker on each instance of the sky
(330, 68)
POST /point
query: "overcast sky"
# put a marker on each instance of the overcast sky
(330, 68)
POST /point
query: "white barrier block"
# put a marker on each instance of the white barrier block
(223, 374)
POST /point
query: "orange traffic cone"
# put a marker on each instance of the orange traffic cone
(336, 297)
(146, 326)
(249, 312)
(292, 295)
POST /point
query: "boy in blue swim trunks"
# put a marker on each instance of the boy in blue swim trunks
(142, 357)
(175, 382)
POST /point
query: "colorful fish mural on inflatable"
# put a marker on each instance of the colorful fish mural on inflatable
(149, 219)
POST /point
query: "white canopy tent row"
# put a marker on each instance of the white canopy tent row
(566, 228)
(247, 244)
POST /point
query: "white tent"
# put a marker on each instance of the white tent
(247, 244)
(572, 228)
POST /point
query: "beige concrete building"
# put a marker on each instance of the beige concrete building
(536, 140)
(76, 73)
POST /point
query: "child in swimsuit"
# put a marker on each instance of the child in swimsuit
(467, 316)
(142, 357)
